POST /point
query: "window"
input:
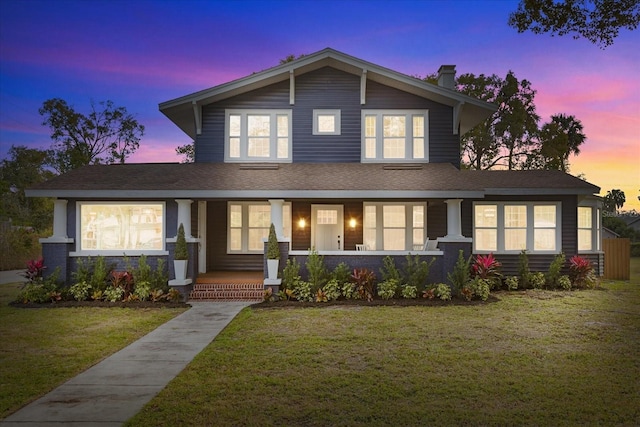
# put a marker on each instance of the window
(588, 229)
(258, 136)
(513, 227)
(249, 224)
(326, 122)
(394, 227)
(394, 135)
(121, 227)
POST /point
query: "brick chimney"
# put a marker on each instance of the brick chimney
(447, 76)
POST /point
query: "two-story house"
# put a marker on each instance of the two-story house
(342, 155)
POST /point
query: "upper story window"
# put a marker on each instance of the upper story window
(513, 227)
(395, 135)
(257, 136)
(326, 122)
(115, 227)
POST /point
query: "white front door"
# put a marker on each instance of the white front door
(327, 225)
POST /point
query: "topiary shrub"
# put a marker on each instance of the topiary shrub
(181, 252)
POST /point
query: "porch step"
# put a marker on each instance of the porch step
(227, 292)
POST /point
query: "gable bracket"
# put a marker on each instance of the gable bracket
(363, 87)
(292, 88)
(457, 115)
(197, 114)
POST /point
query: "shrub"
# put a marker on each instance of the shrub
(430, 292)
(364, 280)
(341, 274)
(537, 280)
(416, 272)
(564, 282)
(181, 252)
(302, 291)
(389, 271)
(174, 295)
(321, 296)
(460, 276)
(524, 274)
(581, 273)
(388, 288)
(511, 282)
(35, 270)
(480, 288)
(36, 292)
(555, 271)
(443, 291)
(332, 290)
(142, 273)
(273, 250)
(160, 276)
(349, 290)
(142, 290)
(123, 280)
(316, 270)
(113, 293)
(80, 291)
(409, 292)
(290, 274)
(488, 268)
(99, 274)
(267, 296)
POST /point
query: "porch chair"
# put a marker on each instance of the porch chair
(361, 247)
(431, 245)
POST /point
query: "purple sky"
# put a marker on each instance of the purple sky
(141, 53)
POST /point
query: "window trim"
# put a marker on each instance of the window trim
(408, 228)
(530, 239)
(408, 158)
(273, 137)
(324, 112)
(118, 252)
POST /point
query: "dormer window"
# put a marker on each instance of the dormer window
(258, 136)
(395, 135)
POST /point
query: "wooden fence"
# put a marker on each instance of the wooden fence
(617, 258)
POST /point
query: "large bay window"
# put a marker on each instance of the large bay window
(506, 227)
(258, 136)
(588, 229)
(248, 225)
(395, 135)
(394, 226)
(120, 226)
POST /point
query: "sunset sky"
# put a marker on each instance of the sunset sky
(140, 53)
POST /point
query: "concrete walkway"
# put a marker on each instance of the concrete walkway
(115, 389)
(12, 276)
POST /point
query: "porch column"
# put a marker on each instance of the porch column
(454, 219)
(60, 219)
(184, 216)
(276, 217)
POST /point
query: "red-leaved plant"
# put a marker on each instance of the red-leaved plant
(487, 267)
(35, 269)
(364, 280)
(579, 270)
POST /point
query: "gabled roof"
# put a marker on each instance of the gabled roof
(302, 180)
(470, 111)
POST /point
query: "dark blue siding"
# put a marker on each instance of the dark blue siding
(328, 88)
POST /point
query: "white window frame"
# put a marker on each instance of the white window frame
(408, 229)
(286, 223)
(409, 137)
(273, 137)
(118, 252)
(500, 227)
(336, 121)
(596, 229)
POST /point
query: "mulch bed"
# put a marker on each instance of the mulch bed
(377, 302)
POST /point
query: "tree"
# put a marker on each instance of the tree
(23, 168)
(188, 151)
(106, 135)
(614, 200)
(559, 139)
(599, 21)
(507, 137)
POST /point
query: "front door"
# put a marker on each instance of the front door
(327, 225)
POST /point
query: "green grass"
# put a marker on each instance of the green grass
(42, 348)
(532, 358)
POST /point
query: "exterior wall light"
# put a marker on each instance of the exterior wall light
(353, 223)
(302, 223)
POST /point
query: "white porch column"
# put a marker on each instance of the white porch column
(184, 216)
(454, 219)
(60, 219)
(276, 217)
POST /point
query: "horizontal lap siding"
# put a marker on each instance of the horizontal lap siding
(328, 88)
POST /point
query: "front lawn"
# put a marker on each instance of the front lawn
(532, 358)
(42, 348)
